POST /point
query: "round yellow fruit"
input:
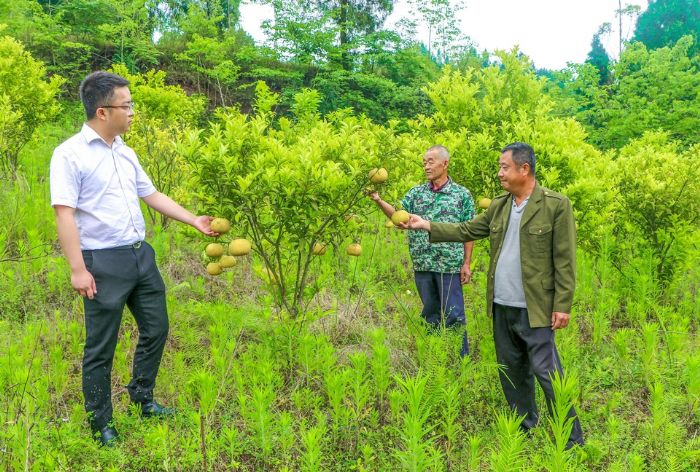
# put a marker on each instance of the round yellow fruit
(239, 247)
(378, 176)
(214, 250)
(484, 203)
(227, 261)
(214, 268)
(319, 249)
(220, 225)
(389, 224)
(354, 249)
(400, 216)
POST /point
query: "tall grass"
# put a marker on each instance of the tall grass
(362, 385)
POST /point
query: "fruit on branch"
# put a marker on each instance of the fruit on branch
(378, 176)
(354, 249)
(214, 250)
(484, 203)
(220, 225)
(239, 247)
(227, 261)
(319, 249)
(214, 268)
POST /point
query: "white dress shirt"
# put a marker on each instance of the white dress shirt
(104, 185)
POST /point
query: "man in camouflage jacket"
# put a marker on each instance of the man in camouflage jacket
(440, 269)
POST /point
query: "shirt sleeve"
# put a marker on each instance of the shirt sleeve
(407, 202)
(64, 180)
(144, 185)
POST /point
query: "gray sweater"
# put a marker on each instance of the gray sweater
(508, 284)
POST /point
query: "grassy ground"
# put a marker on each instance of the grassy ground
(361, 385)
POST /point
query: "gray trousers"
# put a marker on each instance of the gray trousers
(526, 353)
(123, 276)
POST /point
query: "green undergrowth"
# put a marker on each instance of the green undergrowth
(357, 383)
(360, 385)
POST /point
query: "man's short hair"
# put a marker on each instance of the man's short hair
(97, 89)
(522, 154)
(441, 152)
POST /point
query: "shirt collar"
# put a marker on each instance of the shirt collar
(522, 204)
(441, 188)
(91, 135)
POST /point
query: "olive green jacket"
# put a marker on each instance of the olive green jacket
(547, 249)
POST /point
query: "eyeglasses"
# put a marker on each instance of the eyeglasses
(129, 106)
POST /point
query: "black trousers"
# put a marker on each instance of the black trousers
(526, 353)
(123, 276)
(443, 302)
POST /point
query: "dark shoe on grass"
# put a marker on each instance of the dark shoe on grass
(106, 436)
(153, 409)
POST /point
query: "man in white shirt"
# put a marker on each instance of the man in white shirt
(96, 182)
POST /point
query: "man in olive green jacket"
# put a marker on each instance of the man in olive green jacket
(531, 278)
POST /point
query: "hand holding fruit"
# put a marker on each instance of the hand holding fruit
(373, 194)
(415, 222)
(203, 224)
(400, 216)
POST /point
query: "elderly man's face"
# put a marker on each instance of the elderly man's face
(434, 166)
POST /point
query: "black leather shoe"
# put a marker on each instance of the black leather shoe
(153, 408)
(107, 436)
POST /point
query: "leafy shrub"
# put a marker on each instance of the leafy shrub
(27, 100)
(289, 184)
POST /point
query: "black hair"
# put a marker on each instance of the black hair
(522, 154)
(97, 89)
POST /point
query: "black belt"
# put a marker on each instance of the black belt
(136, 245)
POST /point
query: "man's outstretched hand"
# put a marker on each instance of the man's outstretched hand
(373, 195)
(415, 222)
(203, 224)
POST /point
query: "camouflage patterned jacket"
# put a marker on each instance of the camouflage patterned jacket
(450, 204)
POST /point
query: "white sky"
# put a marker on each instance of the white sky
(550, 32)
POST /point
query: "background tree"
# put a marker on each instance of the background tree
(629, 11)
(480, 110)
(445, 38)
(27, 100)
(648, 90)
(172, 14)
(326, 30)
(353, 20)
(665, 21)
(659, 195)
(299, 33)
(598, 57)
